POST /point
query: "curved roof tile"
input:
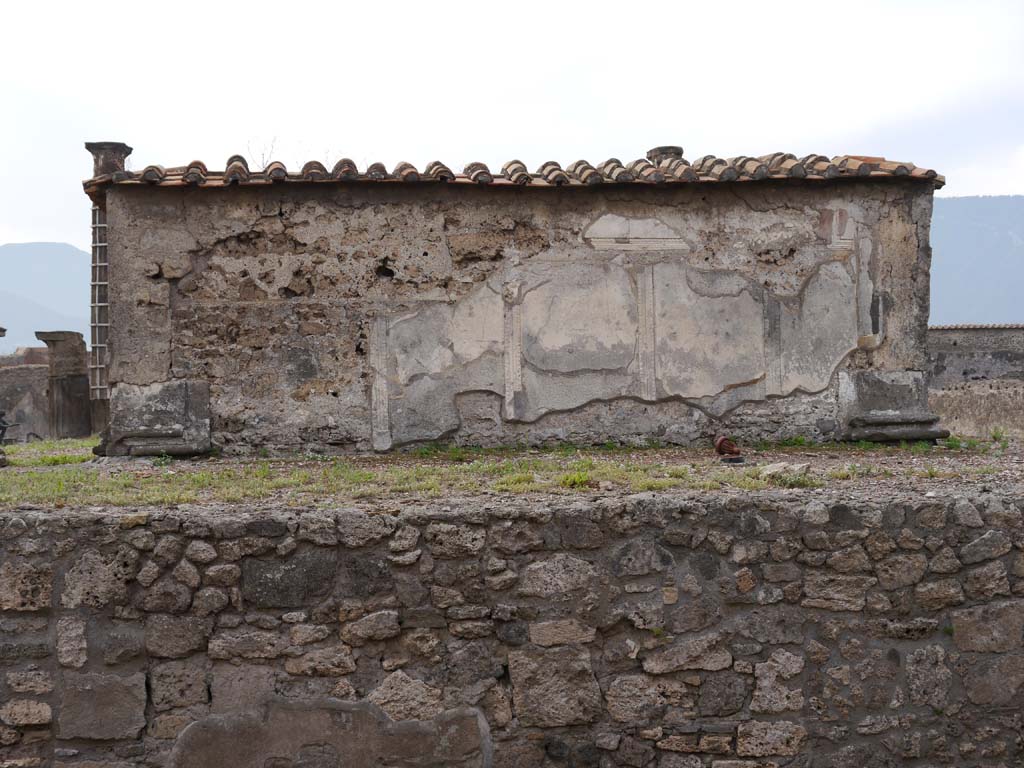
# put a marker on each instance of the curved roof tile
(438, 171)
(662, 165)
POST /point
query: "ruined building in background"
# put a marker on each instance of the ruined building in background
(45, 390)
(977, 378)
(660, 299)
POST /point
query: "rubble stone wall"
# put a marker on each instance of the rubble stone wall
(652, 631)
(340, 317)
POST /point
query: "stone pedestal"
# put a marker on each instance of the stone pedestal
(170, 418)
(883, 406)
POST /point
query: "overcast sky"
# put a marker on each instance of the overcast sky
(940, 84)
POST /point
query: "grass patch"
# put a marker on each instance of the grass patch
(794, 480)
(858, 471)
(577, 479)
(987, 469)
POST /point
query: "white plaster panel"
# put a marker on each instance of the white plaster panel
(579, 317)
(819, 331)
(477, 324)
(419, 343)
(709, 331)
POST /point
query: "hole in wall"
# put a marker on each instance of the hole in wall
(384, 269)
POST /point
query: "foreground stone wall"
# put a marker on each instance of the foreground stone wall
(675, 631)
(333, 317)
(976, 378)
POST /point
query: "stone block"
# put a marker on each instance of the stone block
(992, 628)
(405, 698)
(707, 651)
(240, 688)
(379, 625)
(334, 661)
(996, 681)
(897, 571)
(101, 707)
(448, 540)
(176, 636)
(633, 699)
(556, 577)
(72, 646)
(33, 681)
(561, 632)
(291, 583)
(330, 734)
(357, 528)
(246, 643)
(25, 586)
(757, 738)
(554, 687)
(94, 581)
(986, 547)
(178, 684)
(928, 677)
(25, 712)
(835, 592)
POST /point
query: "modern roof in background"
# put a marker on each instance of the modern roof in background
(662, 166)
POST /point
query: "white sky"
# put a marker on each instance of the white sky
(937, 83)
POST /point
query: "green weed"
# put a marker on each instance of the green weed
(575, 480)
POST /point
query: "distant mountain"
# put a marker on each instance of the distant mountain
(978, 260)
(977, 273)
(43, 287)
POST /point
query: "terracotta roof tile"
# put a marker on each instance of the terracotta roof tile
(276, 171)
(237, 170)
(153, 174)
(345, 170)
(314, 171)
(196, 173)
(585, 173)
(614, 170)
(644, 170)
(552, 173)
(677, 168)
(438, 171)
(750, 167)
(516, 172)
(715, 169)
(478, 173)
(662, 165)
(406, 172)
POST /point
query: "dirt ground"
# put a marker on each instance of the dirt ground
(65, 473)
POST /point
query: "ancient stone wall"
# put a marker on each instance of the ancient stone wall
(23, 397)
(668, 631)
(26, 356)
(358, 316)
(976, 378)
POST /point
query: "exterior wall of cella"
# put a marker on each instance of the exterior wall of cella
(357, 316)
